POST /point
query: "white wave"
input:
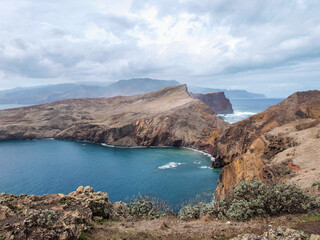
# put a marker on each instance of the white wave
(197, 162)
(170, 165)
(201, 152)
(236, 116)
(243, 113)
(205, 167)
(107, 145)
(115, 146)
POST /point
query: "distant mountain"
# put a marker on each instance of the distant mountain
(228, 93)
(51, 93)
(136, 86)
(48, 93)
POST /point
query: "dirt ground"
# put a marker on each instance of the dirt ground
(205, 228)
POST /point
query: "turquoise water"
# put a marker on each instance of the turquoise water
(52, 166)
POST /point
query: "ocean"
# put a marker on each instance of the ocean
(175, 175)
(244, 108)
(52, 166)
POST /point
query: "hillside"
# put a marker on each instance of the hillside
(279, 144)
(168, 117)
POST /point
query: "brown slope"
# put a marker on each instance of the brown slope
(168, 117)
(251, 147)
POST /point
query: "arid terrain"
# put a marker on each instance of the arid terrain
(279, 144)
(168, 117)
(87, 214)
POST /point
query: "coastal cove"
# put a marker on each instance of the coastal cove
(52, 166)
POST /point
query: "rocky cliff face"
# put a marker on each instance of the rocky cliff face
(281, 143)
(216, 100)
(168, 117)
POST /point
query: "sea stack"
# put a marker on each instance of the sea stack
(216, 100)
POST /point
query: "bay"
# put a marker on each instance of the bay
(52, 166)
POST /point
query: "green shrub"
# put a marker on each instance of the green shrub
(151, 207)
(254, 198)
(43, 218)
(288, 198)
(195, 211)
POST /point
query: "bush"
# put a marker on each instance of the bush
(151, 207)
(288, 198)
(43, 218)
(254, 198)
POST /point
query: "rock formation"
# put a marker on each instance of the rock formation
(56, 216)
(169, 117)
(279, 144)
(216, 100)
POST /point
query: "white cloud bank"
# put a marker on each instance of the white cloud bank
(270, 46)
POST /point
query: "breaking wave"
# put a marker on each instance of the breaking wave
(236, 116)
(205, 167)
(170, 165)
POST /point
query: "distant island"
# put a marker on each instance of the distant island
(56, 92)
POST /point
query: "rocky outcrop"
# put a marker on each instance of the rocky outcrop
(168, 117)
(280, 233)
(279, 144)
(56, 216)
(216, 100)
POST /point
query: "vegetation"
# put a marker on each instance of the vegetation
(316, 184)
(42, 218)
(83, 236)
(151, 207)
(312, 217)
(254, 198)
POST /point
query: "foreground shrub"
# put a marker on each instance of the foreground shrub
(288, 198)
(44, 218)
(254, 198)
(151, 207)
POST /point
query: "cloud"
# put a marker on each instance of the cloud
(225, 43)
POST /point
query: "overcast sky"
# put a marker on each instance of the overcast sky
(271, 47)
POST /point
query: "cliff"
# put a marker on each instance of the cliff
(168, 117)
(279, 144)
(216, 100)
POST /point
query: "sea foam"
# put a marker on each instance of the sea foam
(201, 152)
(170, 165)
(206, 167)
(236, 116)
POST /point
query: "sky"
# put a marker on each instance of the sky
(270, 47)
